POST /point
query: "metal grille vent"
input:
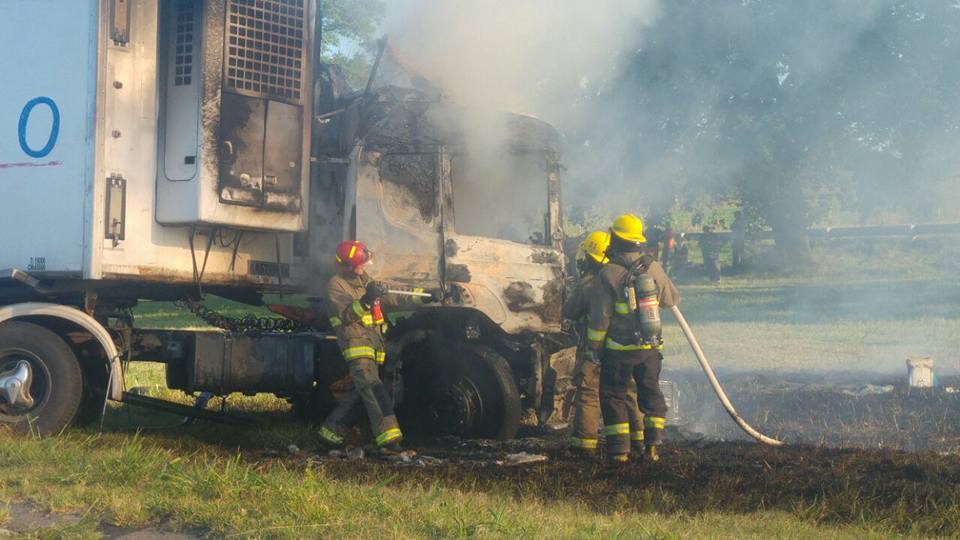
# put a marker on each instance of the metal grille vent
(266, 48)
(183, 63)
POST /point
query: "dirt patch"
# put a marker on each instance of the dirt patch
(26, 519)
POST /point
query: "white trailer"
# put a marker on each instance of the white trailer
(156, 149)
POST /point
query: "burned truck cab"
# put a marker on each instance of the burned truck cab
(449, 197)
(458, 198)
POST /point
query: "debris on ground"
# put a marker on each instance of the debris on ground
(868, 390)
(355, 453)
(521, 458)
(428, 461)
(293, 449)
(402, 457)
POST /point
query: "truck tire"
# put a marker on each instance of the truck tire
(499, 397)
(463, 390)
(57, 383)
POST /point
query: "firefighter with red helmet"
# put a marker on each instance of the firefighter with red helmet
(354, 305)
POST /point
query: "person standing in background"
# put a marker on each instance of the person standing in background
(669, 244)
(710, 245)
(739, 230)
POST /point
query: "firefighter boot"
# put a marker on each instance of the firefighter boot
(583, 452)
(636, 441)
(650, 453)
(391, 449)
(395, 449)
(616, 459)
(329, 437)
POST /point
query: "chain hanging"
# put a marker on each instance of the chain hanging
(245, 325)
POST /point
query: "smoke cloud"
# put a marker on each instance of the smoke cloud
(531, 56)
(820, 112)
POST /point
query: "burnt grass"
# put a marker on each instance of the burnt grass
(915, 493)
(879, 457)
(883, 460)
(883, 415)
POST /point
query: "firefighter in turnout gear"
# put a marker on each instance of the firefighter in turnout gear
(624, 332)
(354, 306)
(586, 374)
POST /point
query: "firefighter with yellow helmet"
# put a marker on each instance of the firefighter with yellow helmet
(623, 331)
(586, 374)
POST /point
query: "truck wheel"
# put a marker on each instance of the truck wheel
(478, 396)
(40, 380)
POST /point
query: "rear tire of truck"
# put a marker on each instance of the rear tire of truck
(56, 385)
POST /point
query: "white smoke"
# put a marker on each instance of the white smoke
(533, 56)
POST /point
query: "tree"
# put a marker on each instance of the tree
(350, 29)
(796, 108)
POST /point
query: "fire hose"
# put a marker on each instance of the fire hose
(695, 345)
(415, 294)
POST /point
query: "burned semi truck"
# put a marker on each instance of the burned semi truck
(164, 150)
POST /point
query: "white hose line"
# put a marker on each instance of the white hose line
(695, 345)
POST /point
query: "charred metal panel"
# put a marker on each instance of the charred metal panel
(265, 51)
(261, 118)
(554, 205)
(410, 183)
(244, 73)
(396, 215)
(330, 207)
(281, 156)
(459, 273)
(516, 285)
(241, 152)
(519, 296)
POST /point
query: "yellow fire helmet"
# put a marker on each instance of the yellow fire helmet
(595, 245)
(630, 228)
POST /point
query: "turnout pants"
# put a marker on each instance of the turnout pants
(369, 390)
(586, 406)
(619, 370)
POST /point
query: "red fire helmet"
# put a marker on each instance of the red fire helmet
(353, 254)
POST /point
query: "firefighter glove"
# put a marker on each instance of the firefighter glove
(436, 295)
(375, 291)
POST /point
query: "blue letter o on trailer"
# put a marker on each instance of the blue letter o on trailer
(54, 129)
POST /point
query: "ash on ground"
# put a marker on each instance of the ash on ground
(858, 412)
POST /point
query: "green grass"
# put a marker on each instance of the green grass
(818, 325)
(131, 480)
(150, 314)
